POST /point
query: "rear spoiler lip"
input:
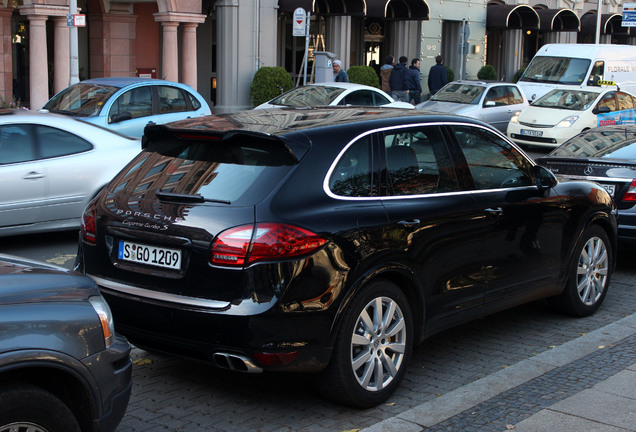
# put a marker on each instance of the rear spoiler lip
(297, 147)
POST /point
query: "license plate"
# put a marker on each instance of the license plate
(609, 188)
(533, 133)
(150, 255)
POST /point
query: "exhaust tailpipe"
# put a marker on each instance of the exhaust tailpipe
(235, 362)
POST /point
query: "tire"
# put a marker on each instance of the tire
(368, 364)
(28, 408)
(589, 275)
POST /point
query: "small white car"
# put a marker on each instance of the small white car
(563, 113)
(332, 94)
(494, 102)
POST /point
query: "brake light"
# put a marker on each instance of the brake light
(88, 228)
(247, 244)
(630, 195)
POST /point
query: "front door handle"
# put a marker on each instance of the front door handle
(33, 175)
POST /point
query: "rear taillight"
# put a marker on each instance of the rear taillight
(247, 244)
(88, 229)
(630, 195)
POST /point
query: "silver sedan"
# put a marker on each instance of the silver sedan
(51, 166)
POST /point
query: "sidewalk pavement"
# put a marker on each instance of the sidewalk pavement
(587, 384)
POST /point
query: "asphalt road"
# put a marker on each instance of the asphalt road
(175, 394)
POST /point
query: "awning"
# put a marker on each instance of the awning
(558, 20)
(292, 5)
(610, 24)
(511, 17)
(339, 7)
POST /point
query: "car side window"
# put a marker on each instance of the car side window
(608, 100)
(379, 99)
(493, 162)
(194, 101)
(514, 95)
(418, 162)
(353, 174)
(171, 99)
(56, 142)
(16, 144)
(358, 97)
(625, 101)
(137, 101)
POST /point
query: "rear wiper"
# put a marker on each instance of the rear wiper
(186, 198)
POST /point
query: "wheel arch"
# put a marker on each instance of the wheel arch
(404, 278)
(64, 384)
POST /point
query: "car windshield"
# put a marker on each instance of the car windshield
(556, 70)
(601, 144)
(460, 93)
(308, 96)
(81, 99)
(575, 100)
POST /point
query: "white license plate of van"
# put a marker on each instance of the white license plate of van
(150, 255)
(534, 133)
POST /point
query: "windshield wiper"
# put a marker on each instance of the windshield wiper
(186, 198)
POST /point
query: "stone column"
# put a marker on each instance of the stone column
(227, 51)
(340, 39)
(38, 67)
(189, 55)
(61, 54)
(170, 53)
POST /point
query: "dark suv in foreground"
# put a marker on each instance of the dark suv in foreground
(62, 366)
(333, 240)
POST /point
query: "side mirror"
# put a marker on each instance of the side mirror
(126, 115)
(543, 178)
(601, 110)
(490, 103)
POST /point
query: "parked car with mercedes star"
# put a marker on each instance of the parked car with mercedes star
(333, 240)
(494, 102)
(606, 155)
(334, 94)
(62, 366)
(565, 112)
(128, 104)
(51, 166)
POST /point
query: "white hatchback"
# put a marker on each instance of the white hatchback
(563, 113)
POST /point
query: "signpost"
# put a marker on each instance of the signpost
(301, 28)
(74, 20)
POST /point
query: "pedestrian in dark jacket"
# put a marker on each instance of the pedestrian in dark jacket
(398, 81)
(339, 75)
(415, 84)
(437, 76)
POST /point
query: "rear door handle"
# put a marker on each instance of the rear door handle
(494, 212)
(409, 223)
(33, 175)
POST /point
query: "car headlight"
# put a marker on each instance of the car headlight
(515, 118)
(567, 122)
(105, 318)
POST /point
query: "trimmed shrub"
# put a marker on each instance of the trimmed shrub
(487, 72)
(518, 74)
(450, 74)
(364, 75)
(268, 83)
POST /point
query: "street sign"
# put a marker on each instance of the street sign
(300, 17)
(629, 15)
(76, 20)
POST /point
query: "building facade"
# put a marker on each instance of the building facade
(216, 46)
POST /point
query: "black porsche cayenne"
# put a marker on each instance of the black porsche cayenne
(332, 240)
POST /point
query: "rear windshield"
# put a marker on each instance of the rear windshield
(236, 171)
(81, 99)
(600, 144)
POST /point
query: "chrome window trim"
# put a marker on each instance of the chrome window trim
(595, 179)
(157, 295)
(329, 193)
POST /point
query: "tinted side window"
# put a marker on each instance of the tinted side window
(418, 162)
(379, 99)
(353, 174)
(194, 101)
(492, 161)
(138, 102)
(56, 142)
(16, 144)
(171, 99)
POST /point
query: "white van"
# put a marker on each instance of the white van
(557, 65)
